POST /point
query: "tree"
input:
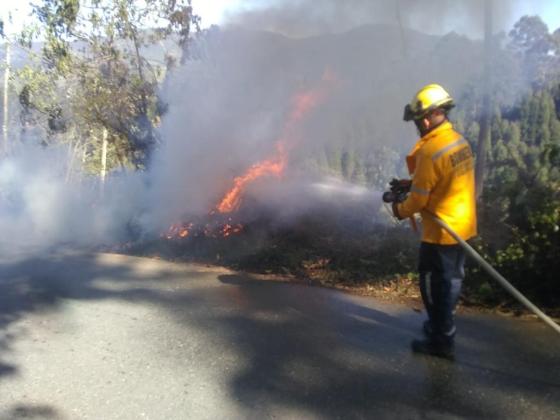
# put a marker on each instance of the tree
(484, 137)
(99, 76)
(348, 162)
(531, 41)
(530, 35)
(556, 41)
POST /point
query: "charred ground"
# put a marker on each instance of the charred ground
(352, 249)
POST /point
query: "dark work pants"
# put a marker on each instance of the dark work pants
(442, 272)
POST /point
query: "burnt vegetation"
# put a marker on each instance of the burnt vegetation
(344, 248)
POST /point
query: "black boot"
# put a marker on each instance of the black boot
(427, 328)
(434, 347)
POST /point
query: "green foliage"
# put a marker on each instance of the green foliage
(92, 74)
(518, 212)
(520, 209)
(530, 35)
(531, 256)
(537, 49)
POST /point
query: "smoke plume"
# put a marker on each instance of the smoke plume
(228, 106)
(42, 208)
(301, 18)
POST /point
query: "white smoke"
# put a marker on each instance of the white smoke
(438, 17)
(41, 207)
(229, 102)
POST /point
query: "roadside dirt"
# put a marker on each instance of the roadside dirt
(402, 290)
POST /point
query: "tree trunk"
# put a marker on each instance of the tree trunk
(104, 159)
(484, 139)
(6, 98)
(401, 28)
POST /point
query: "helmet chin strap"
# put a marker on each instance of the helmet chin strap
(422, 130)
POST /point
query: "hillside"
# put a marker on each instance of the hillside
(377, 70)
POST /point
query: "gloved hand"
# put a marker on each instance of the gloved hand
(400, 185)
(395, 208)
(399, 190)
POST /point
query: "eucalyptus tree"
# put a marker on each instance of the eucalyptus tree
(94, 82)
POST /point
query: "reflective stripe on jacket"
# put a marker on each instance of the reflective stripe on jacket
(442, 168)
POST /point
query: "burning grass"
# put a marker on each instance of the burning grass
(343, 249)
(331, 249)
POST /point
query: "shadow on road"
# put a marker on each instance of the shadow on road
(336, 359)
(310, 350)
(42, 284)
(30, 412)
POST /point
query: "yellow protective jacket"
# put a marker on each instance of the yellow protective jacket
(442, 168)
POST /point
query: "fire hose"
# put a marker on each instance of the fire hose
(497, 276)
(488, 268)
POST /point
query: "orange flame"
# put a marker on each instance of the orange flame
(302, 104)
(232, 199)
(210, 230)
(229, 230)
(179, 231)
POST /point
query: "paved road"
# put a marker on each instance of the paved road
(114, 337)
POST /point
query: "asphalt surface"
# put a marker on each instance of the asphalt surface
(115, 337)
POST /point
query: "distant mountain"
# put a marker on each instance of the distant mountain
(379, 68)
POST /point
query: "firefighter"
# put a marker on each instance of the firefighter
(442, 183)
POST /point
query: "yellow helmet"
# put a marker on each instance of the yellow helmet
(427, 99)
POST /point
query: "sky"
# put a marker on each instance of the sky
(217, 11)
